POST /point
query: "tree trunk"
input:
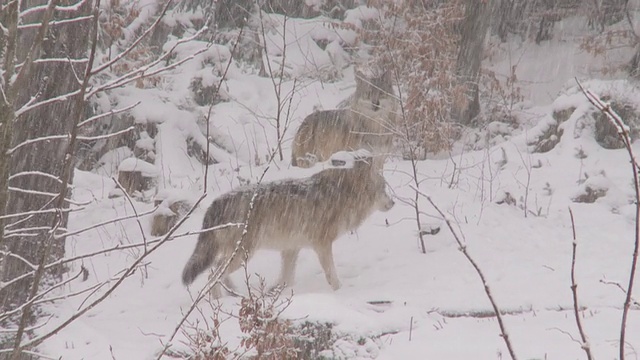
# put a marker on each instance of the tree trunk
(46, 80)
(473, 30)
(634, 64)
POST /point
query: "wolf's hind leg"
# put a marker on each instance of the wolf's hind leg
(325, 255)
(216, 291)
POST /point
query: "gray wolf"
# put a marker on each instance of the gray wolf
(289, 215)
(366, 123)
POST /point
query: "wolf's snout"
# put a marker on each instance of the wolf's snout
(387, 203)
(390, 204)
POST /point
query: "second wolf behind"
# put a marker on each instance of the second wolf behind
(289, 215)
(367, 123)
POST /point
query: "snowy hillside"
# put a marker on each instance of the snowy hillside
(507, 199)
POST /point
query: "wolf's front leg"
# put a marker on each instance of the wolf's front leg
(289, 259)
(325, 255)
(225, 283)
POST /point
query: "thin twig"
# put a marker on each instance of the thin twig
(412, 157)
(135, 211)
(106, 222)
(616, 284)
(36, 212)
(574, 290)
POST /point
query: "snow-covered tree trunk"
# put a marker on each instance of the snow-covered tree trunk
(473, 29)
(24, 187)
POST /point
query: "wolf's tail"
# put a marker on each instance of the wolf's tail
(201, 259)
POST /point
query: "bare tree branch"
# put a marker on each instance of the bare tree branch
(55, 23)
(108, 113)
(574, 286)
(64, 137)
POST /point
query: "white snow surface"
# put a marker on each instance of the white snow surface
(433, 304)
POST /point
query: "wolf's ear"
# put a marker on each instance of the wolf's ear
(363, 163)
(363, 159)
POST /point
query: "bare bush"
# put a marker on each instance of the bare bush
(269, 336)
(424, 44)
(265, 334)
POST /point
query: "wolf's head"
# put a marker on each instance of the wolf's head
(374, 184)
(374, 89)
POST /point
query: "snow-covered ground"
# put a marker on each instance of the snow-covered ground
(425, 306)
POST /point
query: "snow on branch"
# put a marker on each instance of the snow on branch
(106, 136)
(71, 8)
(32, 141)
(31, 105)
(108, 113)
(44, 193)
(34, 228)
(62, 137)
(37, 173)
(57, 22)
(16, 256)
(36, 212)
(27, 232)
(21, 235)
(58, 60)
